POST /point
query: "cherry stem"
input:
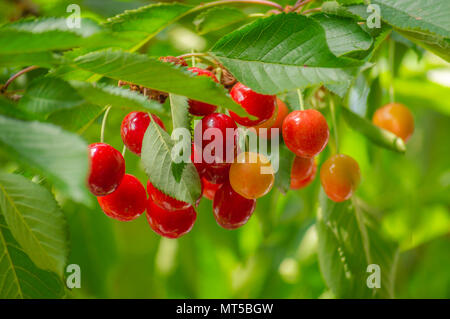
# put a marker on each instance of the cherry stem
(300, 99)
(261, 2)
(204, 56)
(333, 119)
(299, 4)
(192, 54)
(193, 58)
(15, 76)
(124, 150)
(256, 15)
(391, 67)
(102, 130)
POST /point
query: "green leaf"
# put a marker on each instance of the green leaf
(148, 20)
(61, 156)
(180, 119)
(102, 94)
(157, 160)
(424, 22)
(217, 18)
(430, 16)
(334, 8)
(435, 44)
(152, 73)
(80, 117)
(281, 53)
(180, 112)
(377, 135)
(344, 35)
(46, 95)
(358, 96)
(10, 109)
(283, 176)
(19, 277)
(43, 59)
(46, 34)
(36, 221)
(348, 243)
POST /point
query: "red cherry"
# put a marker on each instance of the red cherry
(305, 132)
(170, 224)
(133, 129)
(340, 176)
(200, 166)
(217, 174)
(396, 118)
(209, 189)
(231, 210)
(200, 108)
(303, 172)
(216, 125)
(259, 105)
(164, 201)
(107, 168)
(127, 202)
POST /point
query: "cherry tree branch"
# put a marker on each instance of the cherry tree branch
(299, 4)
(15, 76)
(260, 2)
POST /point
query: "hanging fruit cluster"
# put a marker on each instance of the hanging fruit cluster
(233, 186)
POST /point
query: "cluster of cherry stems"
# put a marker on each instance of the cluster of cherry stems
(233, 187)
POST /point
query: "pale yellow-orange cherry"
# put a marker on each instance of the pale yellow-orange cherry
(251, 175)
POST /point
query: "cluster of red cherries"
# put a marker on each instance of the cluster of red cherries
(233, 187)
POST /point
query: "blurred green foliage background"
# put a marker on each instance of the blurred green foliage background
(275, 254)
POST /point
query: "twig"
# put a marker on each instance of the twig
(261, 2)
(15, 76)
(299, 4)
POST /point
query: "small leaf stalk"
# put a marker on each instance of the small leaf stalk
(335, 128)
(102, 130)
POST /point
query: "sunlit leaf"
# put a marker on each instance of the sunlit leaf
(348, 244)
(61, 156)
(377, 135)
(152, 73)
(281, 53)
(35, 220)
(19, 277)
(157, 160)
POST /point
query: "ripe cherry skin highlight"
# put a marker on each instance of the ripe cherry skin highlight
(231, 210)
(133, 129)
(340, 176)
(396, 118)
(107, 168)
(200, 108)
(170, 224)
(209, 189)
(259, 105)
(303, 172)
(165, 201)
(210, 132)
(306, 132)
(252, 175)
(127, 202)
